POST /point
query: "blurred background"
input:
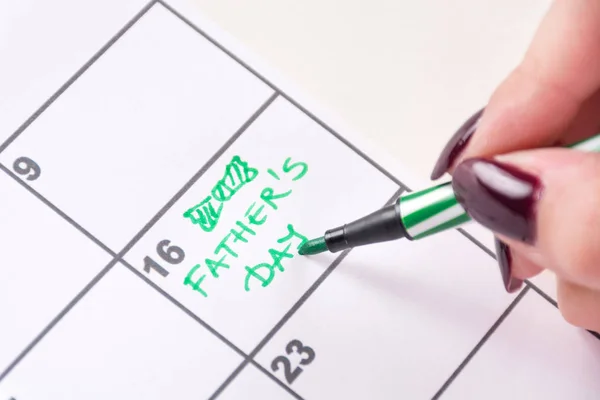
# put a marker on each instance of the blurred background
(406, 73)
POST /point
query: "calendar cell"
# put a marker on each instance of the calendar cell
(123, 340)
(130, 137)
(253, 384)
(228, 248)
(34, 66)
(394, 320)
(45, 263)
(534, 354)
(546, 282)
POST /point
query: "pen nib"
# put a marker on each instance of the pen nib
(314, 246)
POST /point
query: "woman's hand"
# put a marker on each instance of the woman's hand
(542, 203)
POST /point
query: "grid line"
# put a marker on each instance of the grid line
(554, 303)
(57, 318)
(32, 191)
(541, 293)
(318, 121)
(198, 174)
(283, 94)
(467, 235)
(119, 257)
(291, 311)
(76, 76)
(58, 211)
(477, 243)
(206, 325)
(176, 303)
(480, 344)
(279, 324)
(275, 379)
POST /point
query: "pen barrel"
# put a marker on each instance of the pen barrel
(436, 209)
(431, 211)
(591, 144)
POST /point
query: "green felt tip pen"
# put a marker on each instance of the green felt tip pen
(413, 216)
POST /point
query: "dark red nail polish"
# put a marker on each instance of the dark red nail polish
(504, 257)
(456, 145)
(498, 196)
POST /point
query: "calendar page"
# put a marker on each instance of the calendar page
(155, 188)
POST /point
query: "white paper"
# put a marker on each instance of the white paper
(533, 355)
(114, 286)
(45, 44)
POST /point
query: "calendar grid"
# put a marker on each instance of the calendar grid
(555, 304)
(58, 317)
(176, 303)
(291, 311)
(247, 357)
(544, 295)
(119, 257)
(197, 175)
(76, 76)
(334, 133)
(58, 211)
(283, 94)
(484, 339)
(278, 326)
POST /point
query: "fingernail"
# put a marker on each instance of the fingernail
(504, 257)
(456, 145)
(498, 196)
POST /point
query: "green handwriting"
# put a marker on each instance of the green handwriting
(206, 214)
(237, 175)
(265, 272)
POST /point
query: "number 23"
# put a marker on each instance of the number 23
(295, 346)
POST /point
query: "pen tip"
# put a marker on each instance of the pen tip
(314, 246)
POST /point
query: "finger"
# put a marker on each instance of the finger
(540, 100)
(585, 124)
(514, 266)
(542, 203)
(523, 267)
(579, 305)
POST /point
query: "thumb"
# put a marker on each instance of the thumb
(543, 204)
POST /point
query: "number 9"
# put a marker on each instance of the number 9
(26, 166)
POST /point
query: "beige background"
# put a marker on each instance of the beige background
(404, 73)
